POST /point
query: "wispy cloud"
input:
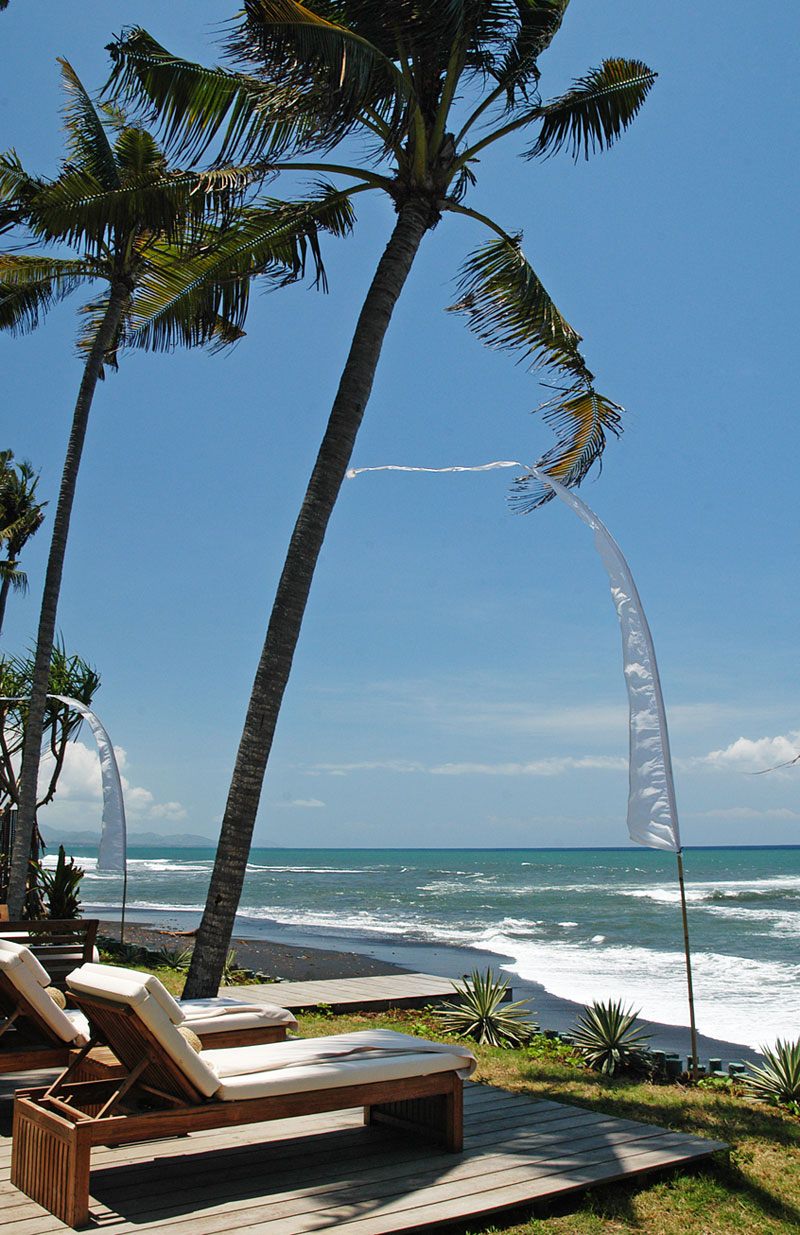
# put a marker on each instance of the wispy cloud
(555, 766)
(302, 803)
(777, 813)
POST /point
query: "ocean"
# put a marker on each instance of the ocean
(583, 923)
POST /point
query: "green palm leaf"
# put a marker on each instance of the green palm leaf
(87, 141)
(539, 22)
(332, 66)
(31, 285)
(508, 308)
(197, 106)
(204, 298)
(594, 113)
(582, 419)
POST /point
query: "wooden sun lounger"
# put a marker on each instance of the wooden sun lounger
(56, 1128)
(26, 1039)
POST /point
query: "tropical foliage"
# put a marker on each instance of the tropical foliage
(61, 887)
(70, 676)
(607, 1037)
(482, 1014)
(400, 102)
(168, 257)
(778, 1078)
(21, 516)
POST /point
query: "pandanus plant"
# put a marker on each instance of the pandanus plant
(401, 100)
(169, 256)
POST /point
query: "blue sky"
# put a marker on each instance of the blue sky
(458, 679)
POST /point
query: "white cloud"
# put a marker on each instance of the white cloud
(373, 765)
(555, 766)
(80, 782)
(753, 754)
(778, 813)
(307, 803)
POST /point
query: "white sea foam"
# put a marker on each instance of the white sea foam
(729, 990)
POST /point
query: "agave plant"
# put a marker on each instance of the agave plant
(61, 887)
(778, 1080)
(175, 958)
(482, 1014)
(606, 1037)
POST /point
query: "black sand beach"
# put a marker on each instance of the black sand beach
(289, 957)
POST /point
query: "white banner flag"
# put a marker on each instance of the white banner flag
(652, 809)
(112, 854)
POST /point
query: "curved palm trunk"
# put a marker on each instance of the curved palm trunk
(272, 674)
(31, 751)
(4, 590)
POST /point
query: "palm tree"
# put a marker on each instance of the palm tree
(176, 253)
(21, 516)
(425, 86)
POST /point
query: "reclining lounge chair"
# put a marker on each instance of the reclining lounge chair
(35, 1032)
(170, 1089)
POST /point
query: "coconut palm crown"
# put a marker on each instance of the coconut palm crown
(398, 99)
(21, 516)
(168, 257)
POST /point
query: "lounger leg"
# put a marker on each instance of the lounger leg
(50, 1163)
(439, 1118)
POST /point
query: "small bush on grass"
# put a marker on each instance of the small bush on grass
(481, 1013)
(608, 1040)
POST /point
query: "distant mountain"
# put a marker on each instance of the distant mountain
(53, 837)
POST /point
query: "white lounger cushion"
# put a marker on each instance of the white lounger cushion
(29, 986)
(328, 1063)
(35, 968)
(103, 981)
(204, 1015)
(224, 1015)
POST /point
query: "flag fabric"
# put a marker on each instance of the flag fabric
(652, 807)
(112, 854)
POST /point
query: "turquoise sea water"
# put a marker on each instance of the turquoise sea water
(584, 923)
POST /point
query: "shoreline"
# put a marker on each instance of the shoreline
(299, 956)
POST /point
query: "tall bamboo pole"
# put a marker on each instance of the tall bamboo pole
(687, 953)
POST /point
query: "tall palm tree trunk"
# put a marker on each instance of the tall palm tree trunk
(4, 590)
(31, 750)
(272, 674)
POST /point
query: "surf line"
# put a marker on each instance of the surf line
(652, 804)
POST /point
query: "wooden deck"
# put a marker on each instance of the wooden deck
(328, 1172)
(400, 990)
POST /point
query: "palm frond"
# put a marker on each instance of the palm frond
(18, 580)
(595, 112)
(77, 210)
(335, 71)
(17, 188)
(508, 308)
(581, 418)
(31, 285)
(204, 298)
(196, 107)
(539, 22)
(87, 141)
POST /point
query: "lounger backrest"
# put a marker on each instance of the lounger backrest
(151, 983)
(25, 983)
(146, 1029)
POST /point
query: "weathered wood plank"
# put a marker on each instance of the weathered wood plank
(352, 994)
(286, 1179)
